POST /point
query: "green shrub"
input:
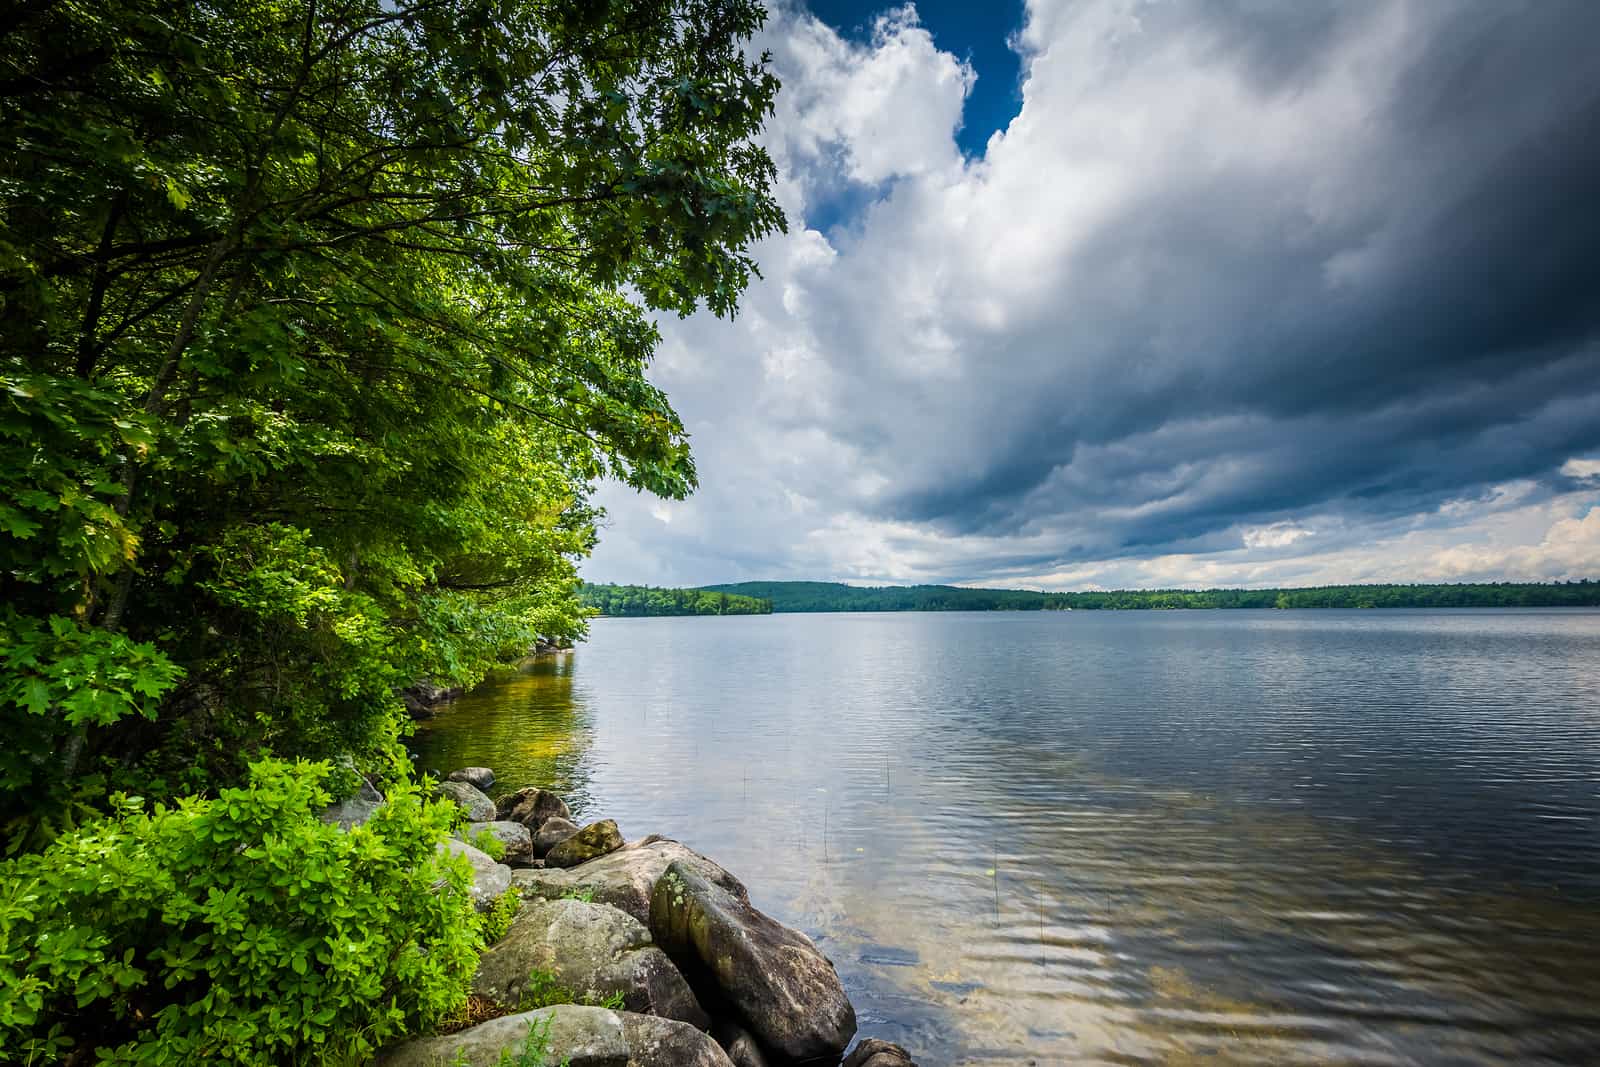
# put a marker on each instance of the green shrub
(239, 930)
(497, 920)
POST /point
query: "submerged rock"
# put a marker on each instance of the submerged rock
(624, 878)
(566, 1034)
(477, 777)
(514, 836)
(593, 841)
(531, 806)
(786, 992)
(490, 878)
(554, 831)
(874, 1053)
(478, 807)
(423, 698)
(592, 950)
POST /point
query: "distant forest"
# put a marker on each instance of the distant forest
(832, 596)
(642, 600)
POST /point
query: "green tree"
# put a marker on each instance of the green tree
(321, 317)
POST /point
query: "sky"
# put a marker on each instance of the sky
(1131, 293)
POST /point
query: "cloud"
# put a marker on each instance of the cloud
(1241, 285)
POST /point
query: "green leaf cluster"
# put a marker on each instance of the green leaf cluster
(240, 929)
(319, 321)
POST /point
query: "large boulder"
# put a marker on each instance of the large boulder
(490, 879)
(624, 878)
(513, 836)
(593, 841)
(469, 798)
(531, 806)
(554, 831)
(592, 950)
(874, 1053)
(477, 777)
(566, 1034)
(355, 810)
(785, 991)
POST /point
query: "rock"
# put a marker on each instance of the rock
(625, 878)
(554, 831)
(477, 777)
(656, 1042)
(514, 836)
(531, 807)
(740, 1045)
(874, 1053)
(594, 951)
(572, 1035)
(592, 842)
(353, 811)
(423, 698)
(489, 878)
(787, 992)
(478, 807)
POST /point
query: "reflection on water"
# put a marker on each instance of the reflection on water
(1228, 837)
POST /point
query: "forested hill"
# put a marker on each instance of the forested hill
(832, 596)
(636, 600)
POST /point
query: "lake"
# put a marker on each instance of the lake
(1307, 837)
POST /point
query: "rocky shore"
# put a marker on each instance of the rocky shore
(627, 954)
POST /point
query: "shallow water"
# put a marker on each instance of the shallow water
(1145, 837)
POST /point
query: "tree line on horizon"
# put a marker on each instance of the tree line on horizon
(636, 601)
(795, 597)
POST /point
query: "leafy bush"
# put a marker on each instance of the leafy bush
(238, 930)
(497, 920)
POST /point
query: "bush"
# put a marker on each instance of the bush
(237, 930)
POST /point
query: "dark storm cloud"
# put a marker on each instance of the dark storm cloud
(1459, 352)
(1243, 281)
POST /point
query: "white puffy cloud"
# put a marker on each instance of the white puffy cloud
(1226, 303)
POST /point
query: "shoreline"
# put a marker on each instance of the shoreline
(644, 949)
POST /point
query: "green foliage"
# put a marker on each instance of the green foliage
(321, 321)
(832, 596)
(489, 844)
(497, 920)
(584, 895)
(236, 930)
(544, 990)
(636, 600)
(534, 1050)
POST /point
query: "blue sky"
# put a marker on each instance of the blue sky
(1143, 293)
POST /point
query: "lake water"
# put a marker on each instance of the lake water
(1148, 837)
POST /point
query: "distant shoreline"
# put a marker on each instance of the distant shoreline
(784, 598)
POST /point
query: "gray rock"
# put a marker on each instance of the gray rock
(423, 698)
(477, 777)
(594, 951)
(489, 878)
(874, 1053)
(624, 878)
(572, 1035)
(353, 811)
(478, 807)
(514, 836)
(531, 807)
(554, 831)
(593, 841)
(786, 992)
(740, 1045)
